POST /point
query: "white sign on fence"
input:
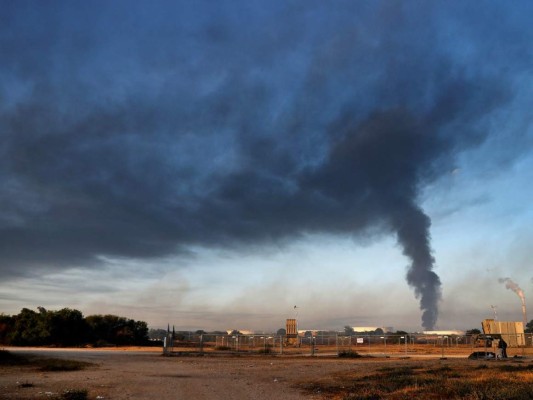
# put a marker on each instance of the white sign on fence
(359, 340)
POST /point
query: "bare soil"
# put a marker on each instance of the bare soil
(144, 373)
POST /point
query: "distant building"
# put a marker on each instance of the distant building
(315, 332)
(242, 331)
(445, 333)
(368, 329)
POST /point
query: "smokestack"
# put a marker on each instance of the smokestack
(509, 284)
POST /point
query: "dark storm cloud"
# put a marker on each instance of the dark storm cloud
(138, 130)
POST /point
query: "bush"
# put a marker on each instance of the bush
(76, 394)
(103, 343)
(349, 354)
(55, 364)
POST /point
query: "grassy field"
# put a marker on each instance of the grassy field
(430, 380)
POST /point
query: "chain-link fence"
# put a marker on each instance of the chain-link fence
(339, 344)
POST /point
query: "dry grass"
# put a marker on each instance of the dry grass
(74, 394)
(429, 380)
(9, 359)
(55, 364)
(24, 364)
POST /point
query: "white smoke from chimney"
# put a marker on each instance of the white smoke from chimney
(509, 284)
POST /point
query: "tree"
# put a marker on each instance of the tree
(529, 327)
(30, 328)
(281, 332)
(7, 323)
(348, 330)
(112, 329)
(474, 331)
(101, 328)
(140, 332)
(66, 327)
(157, 334)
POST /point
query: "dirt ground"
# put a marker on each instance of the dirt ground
(146, 374)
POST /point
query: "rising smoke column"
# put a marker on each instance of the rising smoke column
(413, 235)
(375, 173)
(509, 284)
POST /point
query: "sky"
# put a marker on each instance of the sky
(212, 165)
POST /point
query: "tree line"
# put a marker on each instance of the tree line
(68, 327)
